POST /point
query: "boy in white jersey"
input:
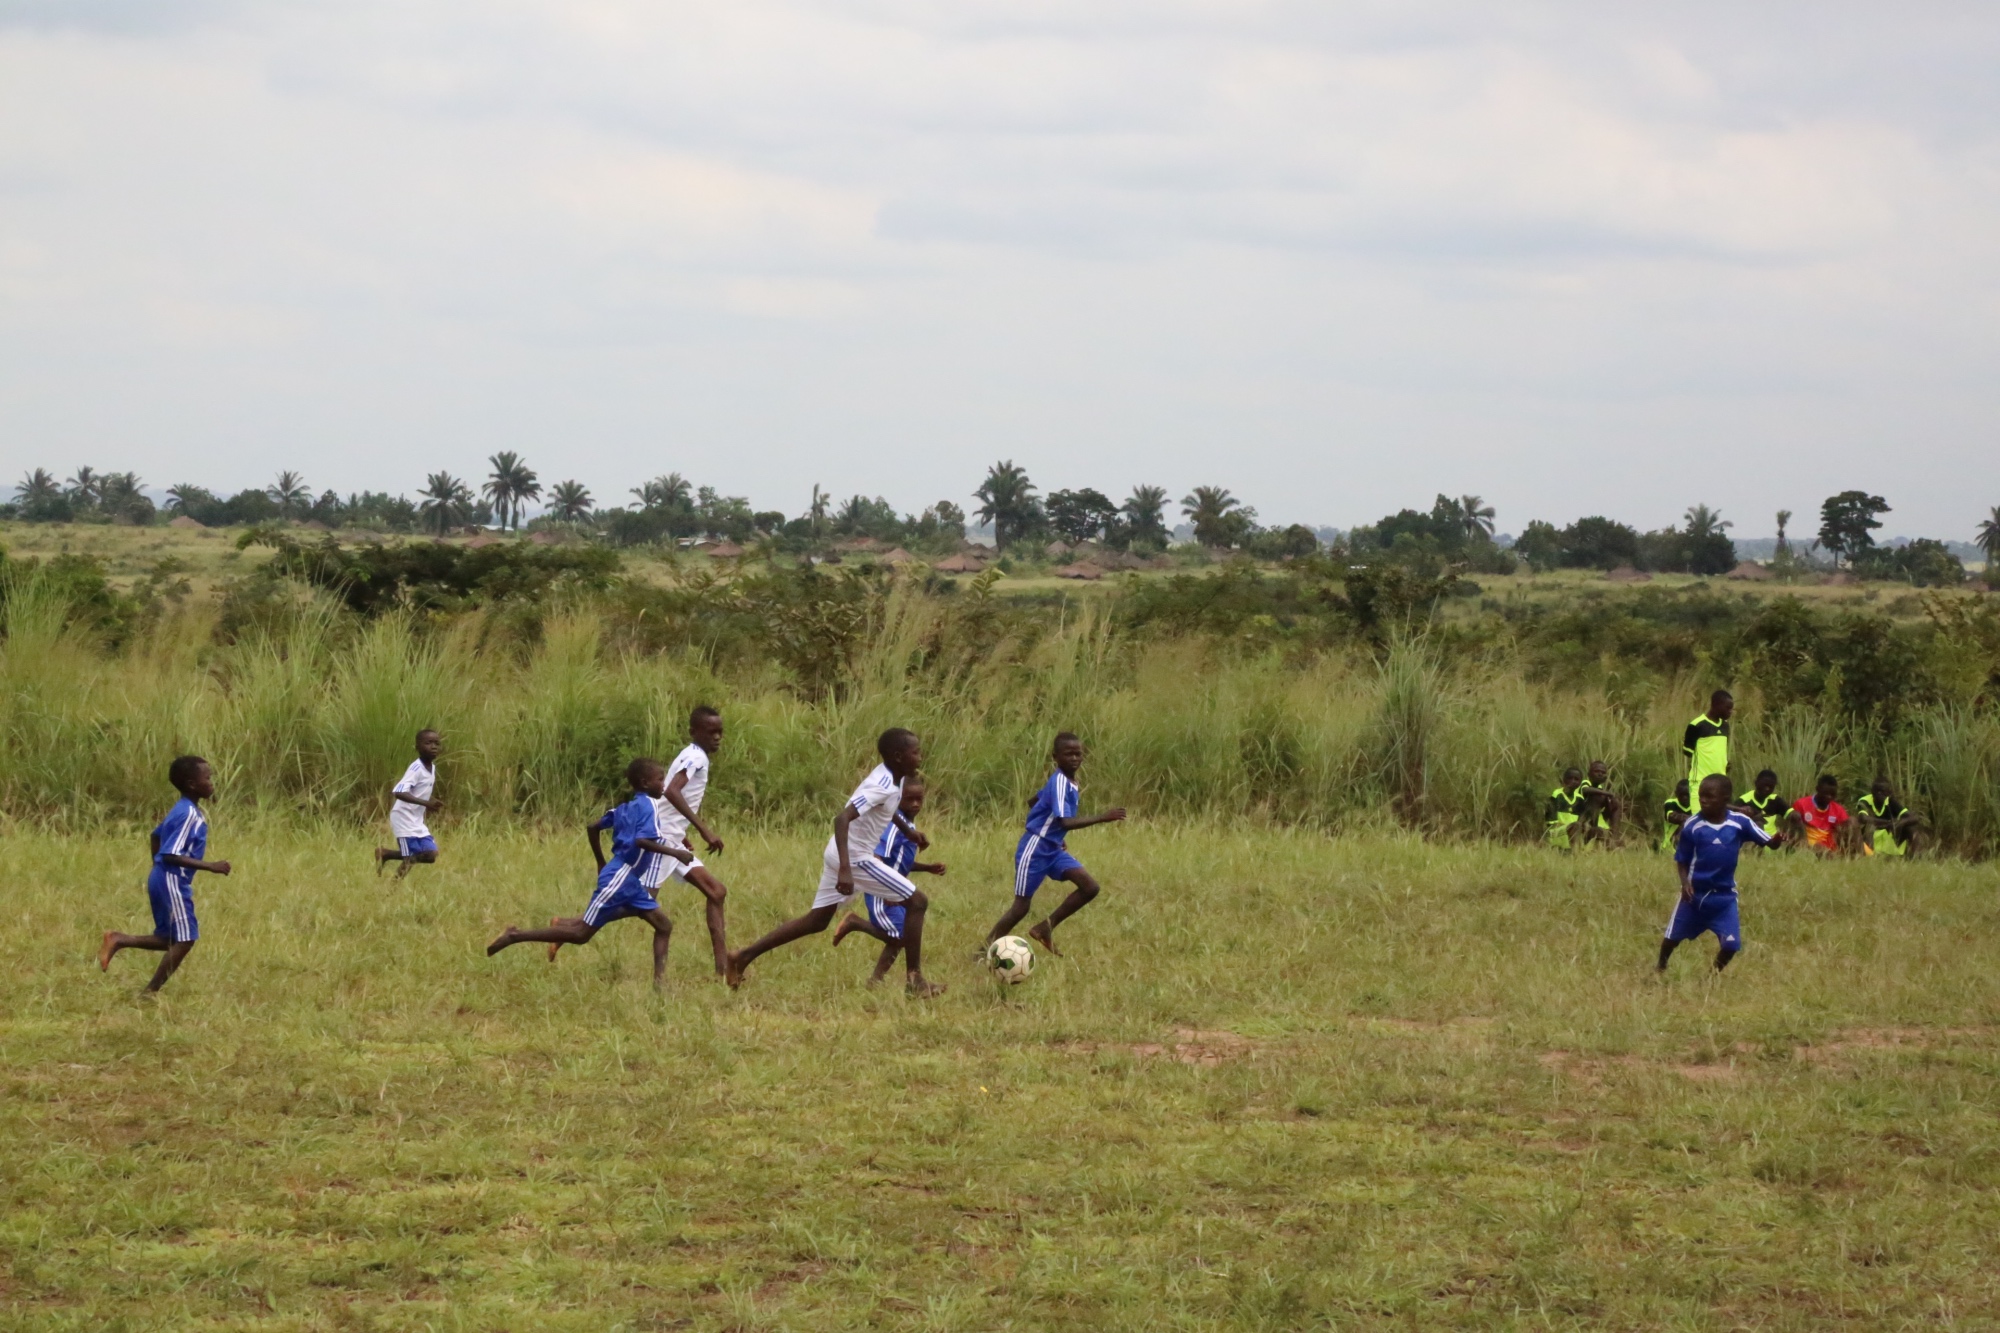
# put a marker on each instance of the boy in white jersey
(679, 809)
(850, 855)
(409, 801)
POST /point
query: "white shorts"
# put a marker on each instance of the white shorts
(871, 875)
(667, 868)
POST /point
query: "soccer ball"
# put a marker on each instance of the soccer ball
(1012, 961)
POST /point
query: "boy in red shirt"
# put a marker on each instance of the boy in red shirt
(1823, 819)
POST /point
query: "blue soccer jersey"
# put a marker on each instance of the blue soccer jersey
(897, 848)
(1709, 851)
(637, 818)
(1055, 802)
(184, 832)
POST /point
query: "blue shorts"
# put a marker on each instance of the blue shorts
(884, 915)
(619, 893)
(1708, 911)
(171, 890)
(1037, 859)
(409, 847)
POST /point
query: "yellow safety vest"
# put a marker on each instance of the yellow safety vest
(1563, 814)
(1883, 841)
(1672, 806)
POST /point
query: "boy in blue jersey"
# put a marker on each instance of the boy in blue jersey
(636, 850)
(1705, 854)
(1040, 855)
(850, 855)
(179, 844)
(883, 919)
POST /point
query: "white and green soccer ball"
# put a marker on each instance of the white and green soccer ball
(1011, 959)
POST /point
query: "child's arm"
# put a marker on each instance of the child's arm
(1687, 884)
(910, 832)
(1085, 821)
(681, 854)
(596, 845)
(844, 879)
(398, 794)
(679, 802)
(189, 863)
(926, 867)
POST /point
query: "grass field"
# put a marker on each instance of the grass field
(1280, 1082)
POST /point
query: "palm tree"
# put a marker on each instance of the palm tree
(1208, 509)
(117, 491)
(1784, 517)
(446, 500)
(1475, 517)
(1145, 512)
(1705, 522)
(185, 495)
(570, 501)
(509, 486)
(1007, 501)
(38, 487)
(288, 491)
(816, 511)
(1989, 542)
(666, 492)
(86, 487)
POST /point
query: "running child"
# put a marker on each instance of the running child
(409, 801)
(1705, 857)
(850, 853)
(678, 810)
(881, 919)
(636, 850)
(179, 844)
(1040, 855)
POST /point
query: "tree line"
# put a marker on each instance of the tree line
(1454, 532)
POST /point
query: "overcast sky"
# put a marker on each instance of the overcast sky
(1579, 258)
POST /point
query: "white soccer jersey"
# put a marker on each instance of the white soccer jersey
(692, 761)
(406, 820)
(874, 804)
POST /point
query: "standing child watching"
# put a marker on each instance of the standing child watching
(1041, 853)
(179, 844)
(621, 882)
(1705, 858)
(882, 919)
(409, 801)
(857, 832)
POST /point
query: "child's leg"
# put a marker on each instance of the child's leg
(114, 941)
(1667, 947)
(1724, 955)
(1085, 890)
(1010, 918)
(663, 934)
(916, 908)
(887, 959)
(812, 923)
(170, 964)
(851, 923)
(567, 930)
(711, 889)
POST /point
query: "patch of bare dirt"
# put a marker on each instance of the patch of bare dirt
(1190, 1046)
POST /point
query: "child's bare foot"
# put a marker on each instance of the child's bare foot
(877, 980)
(919, 989)
(733, 974)
(106, 949)
(403, 869)
(554, 945)
(381, 855)
(848, 926)
(1045, 937)
(501, 941)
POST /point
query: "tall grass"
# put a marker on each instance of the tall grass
(318, 718)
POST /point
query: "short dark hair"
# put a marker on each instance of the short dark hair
(894, 741)
(1728, 787)
(1572, 771)
(914, 780)
(636, 771)
(1721, 694)
(1062, 736)
(181, 771)
(1770, 773)
(701, 711)
(427, 731)
(1826, 778)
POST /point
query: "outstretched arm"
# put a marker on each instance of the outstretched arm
(1111, 816)
(681, 854)
(189, 863)
(910, 832)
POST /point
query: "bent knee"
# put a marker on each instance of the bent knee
(916, 902)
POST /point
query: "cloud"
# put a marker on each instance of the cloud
(1349, 255)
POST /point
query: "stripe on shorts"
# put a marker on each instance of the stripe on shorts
(1023, 861)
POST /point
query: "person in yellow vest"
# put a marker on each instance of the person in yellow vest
(1674, 813)
(1705, 743)
(1886, 826)
(1604, 807)
(1566, 805)
(1763, 804)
